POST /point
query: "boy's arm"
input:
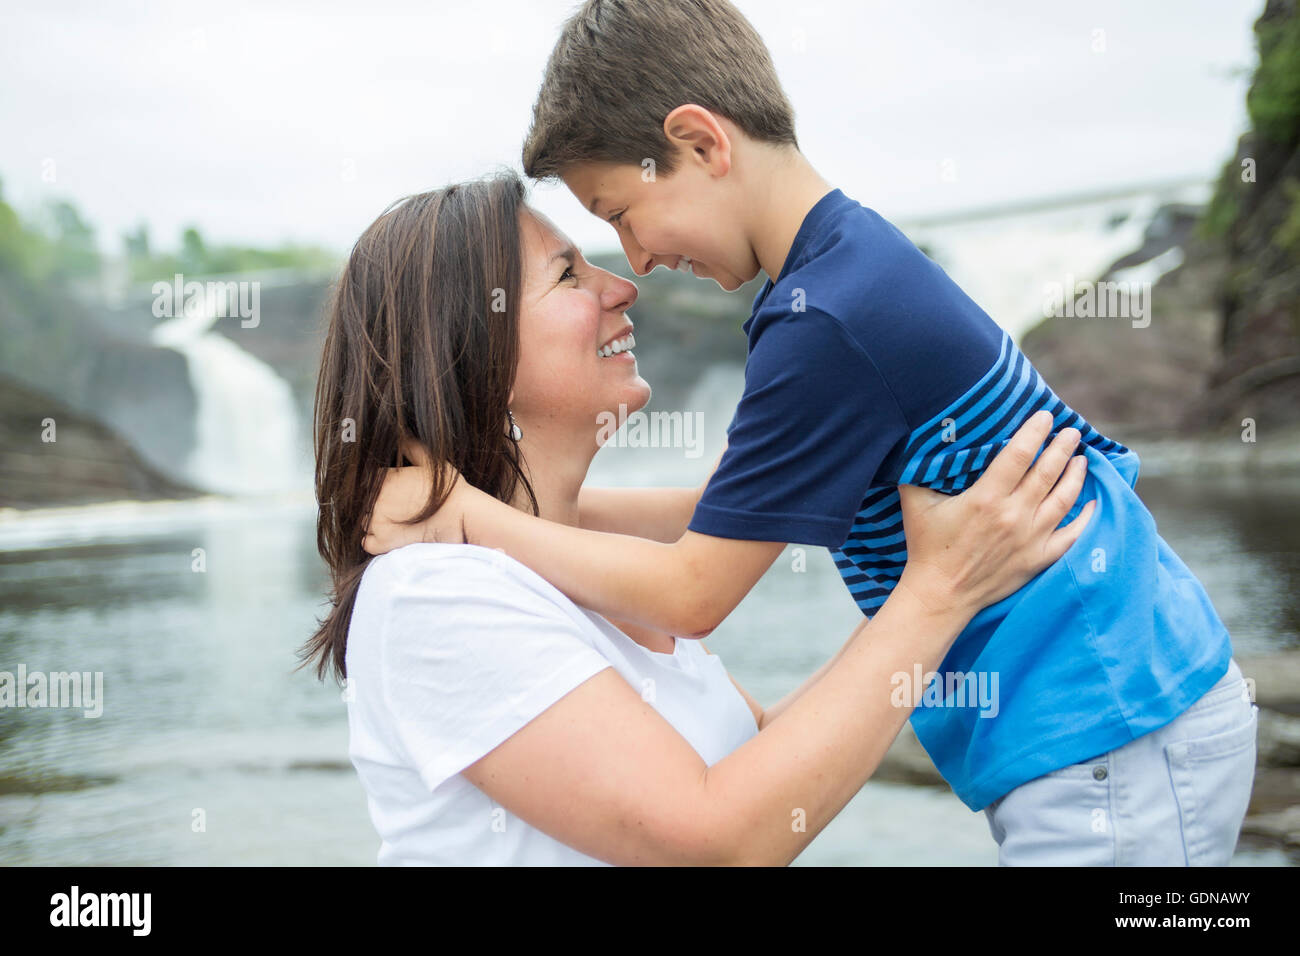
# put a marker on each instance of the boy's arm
(686, 587)
(660, 514)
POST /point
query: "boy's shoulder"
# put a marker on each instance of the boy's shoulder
(851, 266)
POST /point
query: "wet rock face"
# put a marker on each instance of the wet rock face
(1258, 374)
(95, 368)
(1256, 214)
(1139, 381)
(145, 393)
(85, 462)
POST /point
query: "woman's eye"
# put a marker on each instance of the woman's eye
(568, 274)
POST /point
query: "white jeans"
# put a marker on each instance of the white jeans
(1173, 797)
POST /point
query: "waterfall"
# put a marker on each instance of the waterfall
(246, 427)
(1006, 262)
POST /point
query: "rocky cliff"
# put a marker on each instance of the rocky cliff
(1223, 345)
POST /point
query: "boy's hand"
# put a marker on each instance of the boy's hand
(403, 495)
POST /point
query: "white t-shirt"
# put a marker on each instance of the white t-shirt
(452, 648)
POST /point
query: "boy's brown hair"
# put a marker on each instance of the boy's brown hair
(621, 66)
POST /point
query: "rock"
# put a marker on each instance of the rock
(86, 463)
(1131, 381)
(99, 367)
(1255, 213)
(1276, 680)
(1281, 827)
(1279, 740)
(907, 762)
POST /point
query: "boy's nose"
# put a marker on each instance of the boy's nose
(642, 262)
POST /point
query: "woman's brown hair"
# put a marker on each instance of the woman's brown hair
(422, 347)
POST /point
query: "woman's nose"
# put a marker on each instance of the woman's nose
(619, 294)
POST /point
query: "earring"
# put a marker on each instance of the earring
(516, 432)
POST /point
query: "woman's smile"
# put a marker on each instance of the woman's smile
(620, 345)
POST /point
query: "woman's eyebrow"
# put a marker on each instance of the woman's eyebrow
(568, 252)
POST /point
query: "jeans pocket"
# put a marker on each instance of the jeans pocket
(1212, 779)
(1059, 819)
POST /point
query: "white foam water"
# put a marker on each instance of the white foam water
(247, 433)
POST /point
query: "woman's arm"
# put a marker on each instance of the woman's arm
(605, 773)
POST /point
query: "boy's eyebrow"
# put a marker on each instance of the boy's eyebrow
(591, 206)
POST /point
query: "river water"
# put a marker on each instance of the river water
(211, 749)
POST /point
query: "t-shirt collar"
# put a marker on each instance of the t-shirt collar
(812, 223)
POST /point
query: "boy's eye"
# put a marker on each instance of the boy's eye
(617, 218)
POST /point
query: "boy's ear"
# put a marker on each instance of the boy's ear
(697, 132)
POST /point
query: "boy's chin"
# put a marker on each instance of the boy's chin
(725, 281)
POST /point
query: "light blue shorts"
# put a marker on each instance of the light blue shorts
(1174, 797)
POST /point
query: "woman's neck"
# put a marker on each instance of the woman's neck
(556, 463)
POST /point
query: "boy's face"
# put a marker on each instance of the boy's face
(683, 221)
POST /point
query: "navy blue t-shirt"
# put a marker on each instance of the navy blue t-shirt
(868, 368)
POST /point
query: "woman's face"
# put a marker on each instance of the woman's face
(570, 312)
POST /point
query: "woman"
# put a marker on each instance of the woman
(492, 720)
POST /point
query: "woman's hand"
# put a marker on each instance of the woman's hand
(967, 551)
(403, 495)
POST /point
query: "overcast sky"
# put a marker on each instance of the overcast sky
(271, 121)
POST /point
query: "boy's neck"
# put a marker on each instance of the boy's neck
(786, 188)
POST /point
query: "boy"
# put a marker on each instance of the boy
(1120, 734)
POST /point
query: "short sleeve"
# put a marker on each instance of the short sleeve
(813, 426)
(470, 655)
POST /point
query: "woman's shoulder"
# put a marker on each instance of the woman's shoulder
(415, 560)
(462, 574)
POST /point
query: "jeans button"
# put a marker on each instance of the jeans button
(1099, 773)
